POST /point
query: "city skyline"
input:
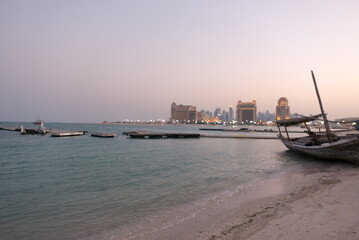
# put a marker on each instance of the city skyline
(88, 61)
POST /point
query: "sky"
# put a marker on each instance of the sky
(91, 61)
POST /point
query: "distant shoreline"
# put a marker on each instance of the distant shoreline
(179, 124)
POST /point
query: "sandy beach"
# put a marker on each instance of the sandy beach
(302, 204)
(326, 207)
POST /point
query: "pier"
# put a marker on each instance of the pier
(144, 134)
(238, 137)
(104, 135)
(244, 130)
(67, 134)
(149, 135)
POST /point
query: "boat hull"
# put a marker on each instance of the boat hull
(346, 149)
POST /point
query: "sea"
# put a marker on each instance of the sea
(96, 188)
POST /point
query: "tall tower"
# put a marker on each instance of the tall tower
(246, 112)
(230, 113)
(282, 109)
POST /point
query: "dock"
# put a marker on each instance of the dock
(148, 135)
(243, 130)
(228, 129)
(67, 134)
(10, 129)
(239, 137)
(27, 131)
(104, 135)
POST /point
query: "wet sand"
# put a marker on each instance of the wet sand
(301, 204)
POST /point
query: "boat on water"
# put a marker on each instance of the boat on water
(322, 145)
(38, 120)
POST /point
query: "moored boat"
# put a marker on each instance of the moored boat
(316, 144)
(323, 145)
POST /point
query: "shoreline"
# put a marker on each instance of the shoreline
(323, 208)
(297, 204)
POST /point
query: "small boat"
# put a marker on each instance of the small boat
(323, 145)
(38, 120)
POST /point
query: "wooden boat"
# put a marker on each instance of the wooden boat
(323, 145)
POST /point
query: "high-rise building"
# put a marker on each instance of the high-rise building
(230, 113)
(266, 117)
(183, 113)
(246, 112)
(204, 118)
(282, 109)
(217, 112)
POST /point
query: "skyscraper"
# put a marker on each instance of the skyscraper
(246, 112)
(230, 113)
(224, 116)
(217, 112)
(282, 109)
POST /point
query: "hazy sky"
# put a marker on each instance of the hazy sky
(90, 61)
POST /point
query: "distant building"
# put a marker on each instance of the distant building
(347, 123)
(282, 109)
(183, 113)
(231, 114)
(266, 117)
(217, 113)
(246, 112)
(204, 118)
(348, 119)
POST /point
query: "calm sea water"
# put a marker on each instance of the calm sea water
(84, 187)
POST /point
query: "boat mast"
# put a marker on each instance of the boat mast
(321, 109)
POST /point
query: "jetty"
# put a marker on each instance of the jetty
(149, 135)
